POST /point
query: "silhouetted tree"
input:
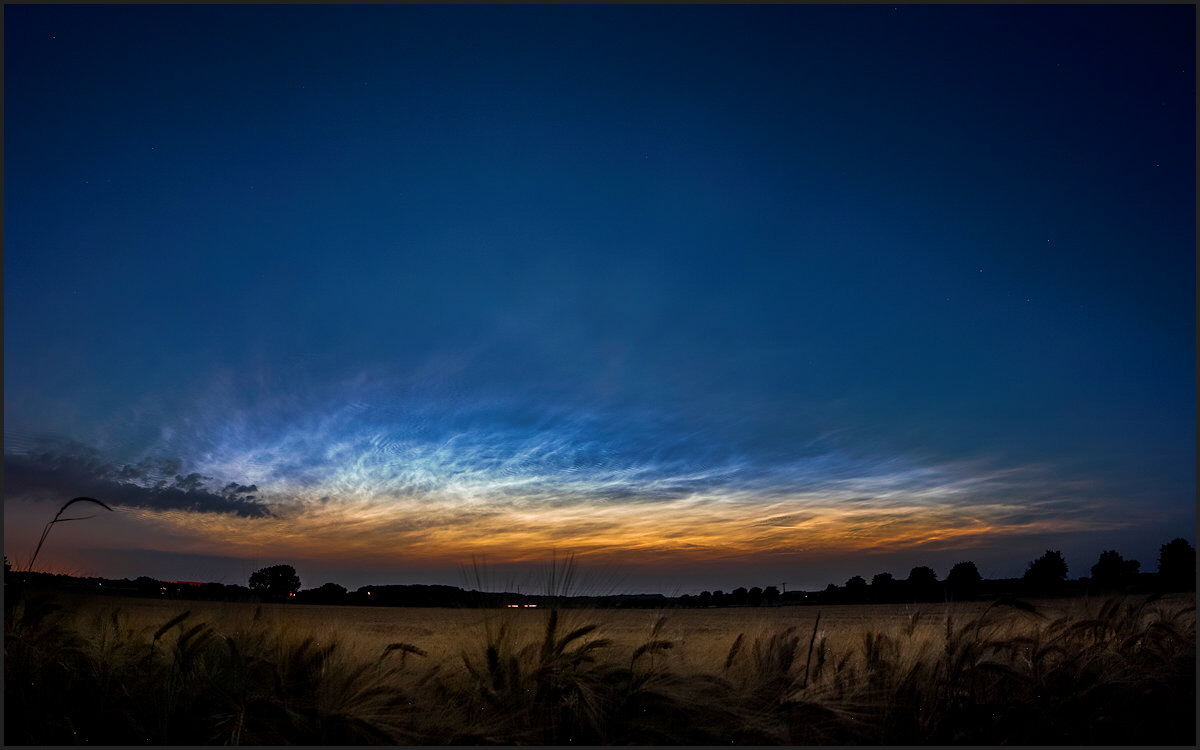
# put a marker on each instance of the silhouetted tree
(1177, 565)
(1047, 572)
(328, 593)
(856, 590)
(962, 582)
(883, 587)
(147, 586)
(1112, 571)
(922, 583)
(275, 581)
(719, 598)
(705, 599)
(739, 596)
(754, 596)
(922, 576)
(770, 595)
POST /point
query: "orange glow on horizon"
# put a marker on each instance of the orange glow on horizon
(698, 530)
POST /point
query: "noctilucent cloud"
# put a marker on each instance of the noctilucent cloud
(706, 296)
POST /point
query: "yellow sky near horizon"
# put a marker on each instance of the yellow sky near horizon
(425, 532)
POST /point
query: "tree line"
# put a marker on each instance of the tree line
(1045, 576)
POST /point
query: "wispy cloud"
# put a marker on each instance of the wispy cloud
(360, 473)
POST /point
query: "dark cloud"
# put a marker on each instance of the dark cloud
(64, 469)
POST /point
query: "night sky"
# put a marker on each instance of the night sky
(708, 296)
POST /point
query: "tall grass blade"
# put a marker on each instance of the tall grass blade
(812, 639)
(404, 648)
(572, 636)
(650, 647)
(46, 530)
(171, 623)
(733, 650)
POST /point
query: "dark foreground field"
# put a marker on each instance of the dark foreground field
(121, 672)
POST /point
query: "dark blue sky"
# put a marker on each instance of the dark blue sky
(920, 280)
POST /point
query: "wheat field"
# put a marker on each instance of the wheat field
(142, 671)
(704, 634)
